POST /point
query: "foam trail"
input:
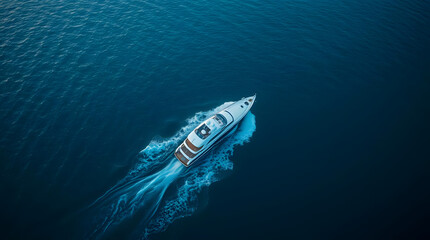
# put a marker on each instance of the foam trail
(147, 191)
(159, 190)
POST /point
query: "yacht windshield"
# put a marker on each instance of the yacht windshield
(203, 131)
(220, 119)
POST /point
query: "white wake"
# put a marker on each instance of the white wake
(159, 190)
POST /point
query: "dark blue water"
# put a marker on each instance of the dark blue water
(95, 95)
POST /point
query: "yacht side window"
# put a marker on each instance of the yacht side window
(220, 119)
(203, 131)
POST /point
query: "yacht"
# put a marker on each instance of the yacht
(212, 130)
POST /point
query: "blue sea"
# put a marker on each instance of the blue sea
(96, 95)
